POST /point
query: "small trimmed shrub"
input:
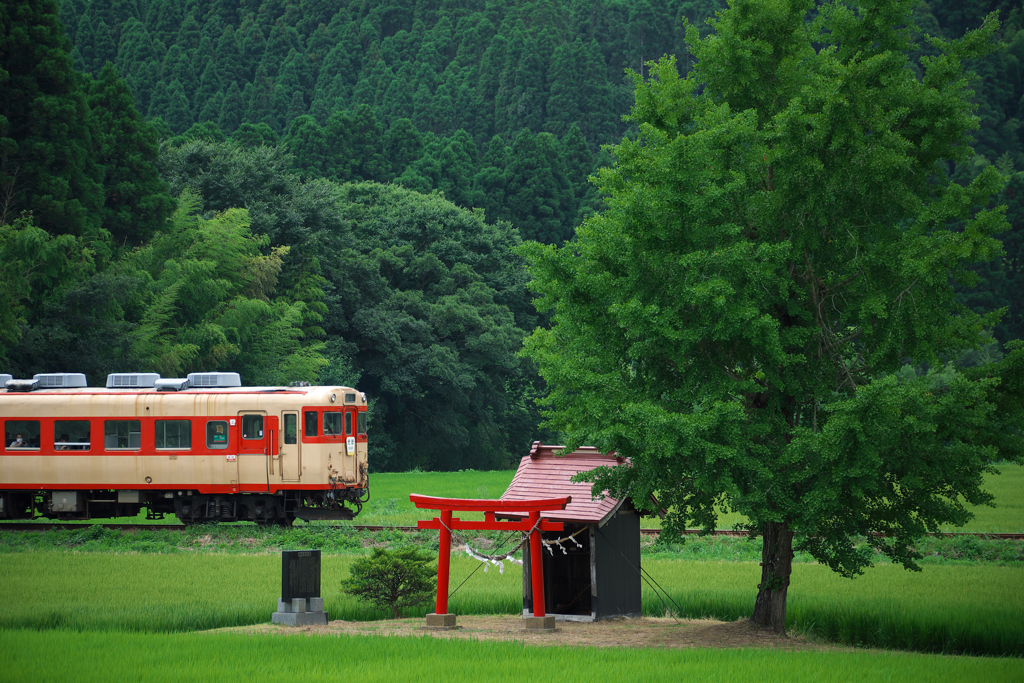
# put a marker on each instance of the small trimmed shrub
(393, 579)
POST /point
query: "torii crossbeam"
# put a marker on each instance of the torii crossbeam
(446, 524)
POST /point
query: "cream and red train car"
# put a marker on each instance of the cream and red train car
(204, 448)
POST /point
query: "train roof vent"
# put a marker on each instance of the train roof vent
(132, 380)
(61, 380)
(214, 379)
(168, 384)
(22, 384)
(4, 378)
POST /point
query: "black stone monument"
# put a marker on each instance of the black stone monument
(300, 603)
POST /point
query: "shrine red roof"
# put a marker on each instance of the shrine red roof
(546, 472)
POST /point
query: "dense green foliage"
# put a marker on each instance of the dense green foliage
(420, 92)
(778, 242)
(422, 304)
(393, 580)
(115, 108)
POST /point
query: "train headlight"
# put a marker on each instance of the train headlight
(334, 397)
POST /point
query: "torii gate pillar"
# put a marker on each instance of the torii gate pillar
(532, 524)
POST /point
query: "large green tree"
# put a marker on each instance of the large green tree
(136, 200)
(429, 303)
(777, 243)
(45, 140)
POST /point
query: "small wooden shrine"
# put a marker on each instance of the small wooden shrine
(591, 569)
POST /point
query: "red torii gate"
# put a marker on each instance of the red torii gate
(446, 524)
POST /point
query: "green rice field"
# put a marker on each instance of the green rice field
(95, 604)
(59, 656)
(963, 608)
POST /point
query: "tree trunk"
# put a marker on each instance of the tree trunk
(776, 566)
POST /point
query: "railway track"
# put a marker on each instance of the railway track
(48, 526)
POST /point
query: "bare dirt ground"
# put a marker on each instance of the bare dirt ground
(638, 632)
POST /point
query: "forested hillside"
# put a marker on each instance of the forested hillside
(244, 185)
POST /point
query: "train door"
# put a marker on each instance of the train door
(291, 458)
(273, 449)
(253, 448)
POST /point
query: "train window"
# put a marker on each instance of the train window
(21, 435)
(216, 434)
(361, 422)
(252, 426)
(71, 435)
(174, 434)
(311, 424)
(348, 423)
(291, 428)
(332, 424)
(122, 435)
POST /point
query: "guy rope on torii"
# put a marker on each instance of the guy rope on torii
(533, 525)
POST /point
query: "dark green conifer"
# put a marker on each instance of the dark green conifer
(178, 67)
(71, 14)
(136, 200)
(458, 162)
(318, 47)
(142, 83)
(315, 13)
(104, 49)
(296, 108)
(46, 165)
(85, 39)
(233, 109)
(565, 104)
(423, 108)
(397, 100)
(443, 112)
(77, 62)
(252, 44)
(206, 130)
(307, 141)
(137, 62)
(209, 86)
(211, 109)
(403, 145)
(203, 56)
(227, 11)
(163, 131)
(189, 34)
(100, 11)
(178, 113)
(260, 107)
(254, 135)
(282, 41)
(519, 102)
(335, 81)
(229, 58)
(539, 196)
(120, 12)
(212, 29)
(165, 17)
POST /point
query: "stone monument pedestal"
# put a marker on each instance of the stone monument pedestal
(300, 612)
(539, 623)
(442, 622)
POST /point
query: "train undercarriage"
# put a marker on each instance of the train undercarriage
(190, 507)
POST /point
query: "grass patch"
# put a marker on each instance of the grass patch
(960, 608)
(952, 609)
(62, 655)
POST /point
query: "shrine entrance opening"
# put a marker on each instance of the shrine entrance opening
(532, 524)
